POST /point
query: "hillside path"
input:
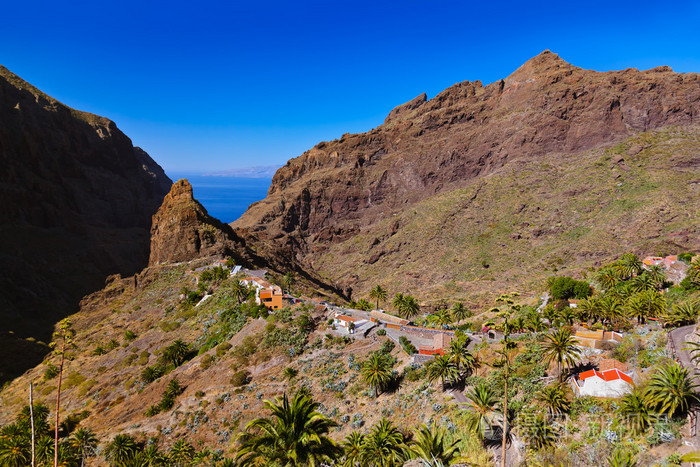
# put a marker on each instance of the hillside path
(676, 338)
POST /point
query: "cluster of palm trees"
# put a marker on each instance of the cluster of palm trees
(296, 434)
(16, 442)
(455, 365)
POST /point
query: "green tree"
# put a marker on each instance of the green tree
(295, 435)
(363, 304)
(121, 450)
(682, 314)
(635, 408)
(177, 352)
(84, 443)
(460, 312)
(672, 391)
(14, 451)
(240, 291)
(646, 303)
(384, 446)
(288, 281)
(378, 293)
(484, 414)
(405, 305)
(539, 433)
(181, 453)
(560, 346)
(431, 446)
(441, 318)
(443, 368)
(352, 449)
(376, 371)
(554, 399)
(630, 265)
(460, 355)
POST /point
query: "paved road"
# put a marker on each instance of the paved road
(678, 337)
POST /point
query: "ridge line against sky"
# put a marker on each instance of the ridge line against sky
(216, 86)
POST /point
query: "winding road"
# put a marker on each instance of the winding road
(677, 337)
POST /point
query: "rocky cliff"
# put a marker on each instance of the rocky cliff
(77, 200)
(182, 229)
(334, 209)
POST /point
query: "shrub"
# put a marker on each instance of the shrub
(387, 347)
(240, 378)
(408, 347)
(50, 372)
(222, 348)
(381, 332)
(152, 373)
(206, 362)
(565, 287)
(129, 335)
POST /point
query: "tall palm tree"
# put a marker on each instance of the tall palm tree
(554, 398)
(484, 414)
(152, 457)
(646, 303)
(461, 356)
(181, 453)
(352, 449)
(384, 446)
(84, 442)
(406, 305)
(121, 450)
(643, 282)
(378, 293)
(630, 265)
(560, 346)
(295, 435)
(431, 446)
(611, 308)
(672, 391)
(177, 352)
(635, 407)
(607, 277)
(288, 281)
(444, 368)
(376, 371)
(397, 301)
(441, 317)
(587, 309)
(460, 312)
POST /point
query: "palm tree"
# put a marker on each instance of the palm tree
(646, 303)
(607, 277)
(444, 368)
(460, 312)
(15, 451)
(539, 433)
(682, 314)
(122, 449)
(441, 317)
(240, 291)
(484, 414)
(152, 457)
(378, 293)
(289, 373)
(384, 446)
(630, 265)
(352, 449)
(288, 281)
(397, 301)
(560, 346)
(177, 352)
(295, 435)
(459, 355)
(554, 398)
(84, 442)
(431, 446)
(376, 371)
(533, 322)
(363, 304)
(181, 453)
(672, 391)
(406, 305)
(610, 308)
(643, 282)
(635, 407)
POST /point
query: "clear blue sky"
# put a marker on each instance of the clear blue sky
(205, 85)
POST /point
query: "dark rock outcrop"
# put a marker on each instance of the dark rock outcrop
(77, 199)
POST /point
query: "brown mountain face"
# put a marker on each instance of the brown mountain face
(338, 209)
(182, 230)
(77, 201)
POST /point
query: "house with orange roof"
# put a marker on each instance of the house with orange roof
(265, 293)
(609, 383)
(441, 341)
(347, 322)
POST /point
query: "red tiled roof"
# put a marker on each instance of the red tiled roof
(348, 319)
(610, 375)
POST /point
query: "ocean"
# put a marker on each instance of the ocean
(225, 197)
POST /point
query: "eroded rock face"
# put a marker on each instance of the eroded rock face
(77, 199)
(425, 147)
(182, 229)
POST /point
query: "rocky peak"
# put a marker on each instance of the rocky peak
(182, 229)
(406, 108)
(545, 64)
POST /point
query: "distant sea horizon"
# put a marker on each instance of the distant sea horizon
(225, 197)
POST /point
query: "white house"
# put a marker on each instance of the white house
(347, 322)
(610, 383)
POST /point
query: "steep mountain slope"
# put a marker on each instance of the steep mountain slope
(77, 201)
(342, 209)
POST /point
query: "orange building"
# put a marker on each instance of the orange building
(271, 297)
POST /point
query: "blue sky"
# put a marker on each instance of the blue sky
(206, 86)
